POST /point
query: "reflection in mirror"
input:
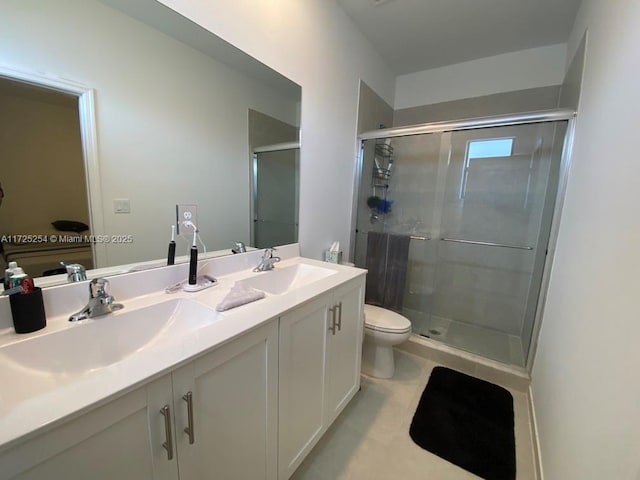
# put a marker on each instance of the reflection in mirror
(44, 180)
(276, 172)
(178, 114)
(275, 180)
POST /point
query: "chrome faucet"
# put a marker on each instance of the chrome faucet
(75, 272)
(267, 261)
(239, 248)
(100, 301)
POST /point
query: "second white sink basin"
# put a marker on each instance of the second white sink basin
(285, 279)
(105, 340)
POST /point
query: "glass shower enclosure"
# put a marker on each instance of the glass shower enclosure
(476, 199)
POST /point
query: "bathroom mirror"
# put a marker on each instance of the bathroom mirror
(178, 114)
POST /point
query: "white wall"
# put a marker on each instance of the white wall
(537, 67)
(585, 383)
(314, 44)
(172, 123)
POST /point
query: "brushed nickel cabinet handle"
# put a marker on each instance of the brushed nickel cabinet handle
(189, 429)
(339, 316)
(168, 445)
(332, 328)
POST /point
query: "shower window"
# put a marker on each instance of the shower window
(494, 147)
(490, 148)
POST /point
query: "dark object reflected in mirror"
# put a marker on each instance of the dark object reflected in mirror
(70, 226)
(176, 128)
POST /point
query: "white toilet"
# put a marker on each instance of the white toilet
(382, 330)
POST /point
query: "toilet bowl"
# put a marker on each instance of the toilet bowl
(382, 330)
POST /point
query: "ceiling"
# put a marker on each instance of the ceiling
(415, 35)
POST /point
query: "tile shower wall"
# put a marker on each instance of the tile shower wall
(502, 203)
(367, 219)
(373, 112)
(416, 189)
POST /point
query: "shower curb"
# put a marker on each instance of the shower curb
(469, 363)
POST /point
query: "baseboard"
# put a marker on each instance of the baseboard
(535, 440)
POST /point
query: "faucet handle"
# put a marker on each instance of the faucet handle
(99, 287)
(240, 247)
(75, 272)
(268, 252)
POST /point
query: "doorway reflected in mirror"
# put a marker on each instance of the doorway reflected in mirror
(45, 215)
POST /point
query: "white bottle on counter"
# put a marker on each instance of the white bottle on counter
(8, 273)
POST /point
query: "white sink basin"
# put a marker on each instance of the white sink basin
(105, 340)
(282, 280)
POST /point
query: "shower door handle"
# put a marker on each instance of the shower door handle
(487, 244)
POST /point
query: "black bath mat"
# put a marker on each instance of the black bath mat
(468, 422)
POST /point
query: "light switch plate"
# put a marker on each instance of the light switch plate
(121, 205)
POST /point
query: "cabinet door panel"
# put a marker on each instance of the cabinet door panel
(234, 392)
(344, 349)
(302, 383)
(122, 439)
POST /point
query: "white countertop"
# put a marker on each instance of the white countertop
(32, 400)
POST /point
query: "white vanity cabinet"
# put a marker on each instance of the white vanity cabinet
(121, 439)
(233, 395)
(344, 347)
(251, 408)
(320, 351)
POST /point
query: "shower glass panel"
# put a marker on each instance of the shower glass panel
(275, 182)
(477, 205)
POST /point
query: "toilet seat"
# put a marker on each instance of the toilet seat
(386, 321)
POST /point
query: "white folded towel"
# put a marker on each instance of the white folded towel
(239, 295)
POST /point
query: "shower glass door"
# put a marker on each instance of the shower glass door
(477, 205)
(487, 284)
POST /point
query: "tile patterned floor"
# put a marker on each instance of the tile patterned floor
(370, 440)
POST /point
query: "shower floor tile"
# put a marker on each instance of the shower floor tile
(488, 343)
(370, 440)
(482, 341)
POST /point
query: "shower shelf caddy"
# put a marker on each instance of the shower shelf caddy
(383, 161)
(382, 164)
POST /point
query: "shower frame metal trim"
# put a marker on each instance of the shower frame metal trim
(541, 116)
(565, 166)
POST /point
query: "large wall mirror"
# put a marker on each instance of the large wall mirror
(170, 114)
